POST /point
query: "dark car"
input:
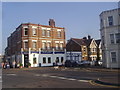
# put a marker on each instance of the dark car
(70, 63)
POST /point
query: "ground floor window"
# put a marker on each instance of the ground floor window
(57, 59)
(113, 57)
(34, 60)
(62, 59)
(44, 60)
(49, 59)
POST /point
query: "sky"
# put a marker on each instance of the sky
(79, 19)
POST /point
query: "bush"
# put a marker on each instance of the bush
(29, 64)
(21, 64)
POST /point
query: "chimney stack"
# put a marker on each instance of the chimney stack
(89, 37)
(85, 38)
(51, 22)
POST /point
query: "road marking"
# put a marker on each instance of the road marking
(71, 79)
(53, 76)
(62, 78)
(0, 81)
(45, 75)
(37, 75)
(11, 74)
(83, 80)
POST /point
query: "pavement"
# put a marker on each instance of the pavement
(60, 77)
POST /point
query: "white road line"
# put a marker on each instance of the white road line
(0, 81)
(37, 75)
(83, 80)
(62, 78)
(71, 79)
(45, 75)
(11, 74)
(53, 76)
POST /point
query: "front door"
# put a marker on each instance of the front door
(26, 60)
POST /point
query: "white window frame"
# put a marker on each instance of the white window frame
(61, 46)
(34, 31)
(117, 38)
(112, 57)
(43, 45)
(48, 33)
(59, 34)
(43, 32)
(33, 44)
(112, 20)
(113, 38)
(57, 47)
(48, 45)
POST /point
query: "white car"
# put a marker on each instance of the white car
(100, 62)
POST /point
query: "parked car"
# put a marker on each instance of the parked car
(70, 63)
(85, 63)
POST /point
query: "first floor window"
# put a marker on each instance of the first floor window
(48, 33)
(112, 38)
(110, 20)
(25, 44)
(44, 59)
(43, 45)
(113, 57)
(49, 45)
(49, 59)
(34, 44)
(61, 46)
(34, 32)
(57, 45)
(117, 35)
(59, 34)
(43, 33)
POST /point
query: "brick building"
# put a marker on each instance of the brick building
(40, 45)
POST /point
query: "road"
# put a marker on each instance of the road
(48, 77)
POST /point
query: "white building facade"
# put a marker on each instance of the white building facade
(110, 37)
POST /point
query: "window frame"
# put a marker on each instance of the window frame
(114, 61)
(25, 32)
(33, 44)
(112, 39)
(44, 58)
(110, 21)
(117, 38)
(49, 58)
(43, 32)
(34, 29)
(48, 33)
(25, 45)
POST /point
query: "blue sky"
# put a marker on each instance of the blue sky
(78, 18)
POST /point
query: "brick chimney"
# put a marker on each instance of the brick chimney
(52, 22)
(89, 37)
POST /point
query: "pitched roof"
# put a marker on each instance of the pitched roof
(79, 41)
(98, 41)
